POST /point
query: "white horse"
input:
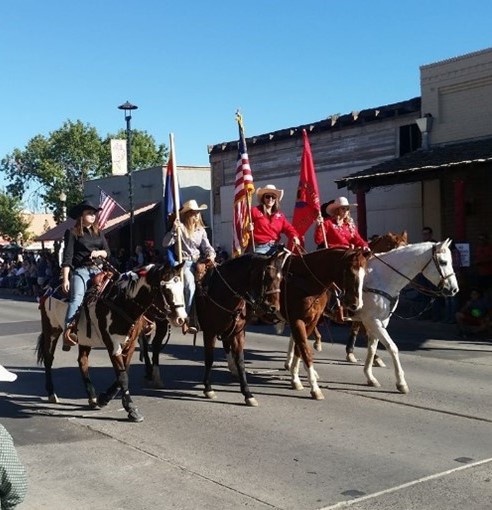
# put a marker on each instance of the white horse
(387, 274)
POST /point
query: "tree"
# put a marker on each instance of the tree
(12, 221)
(67, 158)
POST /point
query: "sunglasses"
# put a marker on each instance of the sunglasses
(268, 197)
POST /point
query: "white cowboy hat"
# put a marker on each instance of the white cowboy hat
(6, 376)
(338, 202)
(270, 189)
(192, 205)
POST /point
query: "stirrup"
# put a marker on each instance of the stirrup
(69, 339)
(186, 328)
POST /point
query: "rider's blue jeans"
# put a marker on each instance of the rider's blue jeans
(78, 285)
(189, 284)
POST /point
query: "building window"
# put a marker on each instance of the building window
(410, 138)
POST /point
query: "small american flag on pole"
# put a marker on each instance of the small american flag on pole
(107, 205)
(244, 189)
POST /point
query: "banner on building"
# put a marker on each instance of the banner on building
(118, 157)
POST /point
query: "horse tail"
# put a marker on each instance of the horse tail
(39, 349)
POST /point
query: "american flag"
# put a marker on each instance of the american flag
(244, 189)
(107, 205)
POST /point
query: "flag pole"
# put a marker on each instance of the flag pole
(176, 196)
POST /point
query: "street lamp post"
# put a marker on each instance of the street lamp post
(127, 108)
(63, 200)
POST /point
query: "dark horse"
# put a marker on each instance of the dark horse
(227, 296)
(114, 320)
(305, 290)
(380, 244)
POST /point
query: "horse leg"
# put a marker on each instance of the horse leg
(350, 345)
(290, 355)
(161, 330)
(83, 361)
(401, 384)
(237, 349)
(209, 346)
(300, 334)
(372, 345)
(46, 355)
(317, 340)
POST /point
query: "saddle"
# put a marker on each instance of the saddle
(203, 272)
(96, 287)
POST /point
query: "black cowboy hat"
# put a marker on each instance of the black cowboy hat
(75, 211)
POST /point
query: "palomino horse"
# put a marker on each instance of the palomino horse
(380, 244)
(227, 296)
(388, 273)
(113, 320)
(305, 292)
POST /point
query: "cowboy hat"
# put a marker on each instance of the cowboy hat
(192, 205)
(338, 202)
(75, 211)
(324, 209)
(271, 190)
(6, 375)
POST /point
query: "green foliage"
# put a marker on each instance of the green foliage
(12, 222)
(67, 158)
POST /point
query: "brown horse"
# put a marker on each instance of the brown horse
(113, 321)
(227, 297)
(380, 244)
(305, 293)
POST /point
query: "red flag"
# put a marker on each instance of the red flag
(307, 206)
(244, 189)
(107, 205)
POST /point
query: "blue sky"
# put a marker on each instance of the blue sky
(189, 64)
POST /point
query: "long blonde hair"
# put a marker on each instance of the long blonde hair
(192, 222)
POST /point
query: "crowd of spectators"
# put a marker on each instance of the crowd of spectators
(27, 273)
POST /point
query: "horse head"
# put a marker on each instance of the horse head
(166, 281)
(441, 272)
(265, 278)
(354, 270)
(388, 242)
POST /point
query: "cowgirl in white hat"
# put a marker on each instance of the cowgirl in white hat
(339, 227)
(194, 246)
(268, 221)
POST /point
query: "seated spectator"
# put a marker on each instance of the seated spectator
(475, 315)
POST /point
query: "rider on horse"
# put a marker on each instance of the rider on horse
(194, 246)
(84, 244)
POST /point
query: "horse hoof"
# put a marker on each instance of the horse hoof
(317, 346)
(378, 362)
(93, 403)
(251, 402)
(287, 366)
(351, 357)
(402, 388)
(317, 395)
(53, 399)
(374, 384)
(154, 384)
(134, 416)
(102, 400)
(297, 386)
(210, 394)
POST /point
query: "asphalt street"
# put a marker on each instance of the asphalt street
(360, 447)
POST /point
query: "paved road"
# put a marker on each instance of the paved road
(361, 447)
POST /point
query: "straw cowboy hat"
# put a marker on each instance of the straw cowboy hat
(338, 202)
(75, 211)
(192, 205)
(271, 190)
(6, 375)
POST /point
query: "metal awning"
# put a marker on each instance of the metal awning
(420, 165)
(57, 233)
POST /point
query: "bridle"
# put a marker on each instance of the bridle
(421, 288)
